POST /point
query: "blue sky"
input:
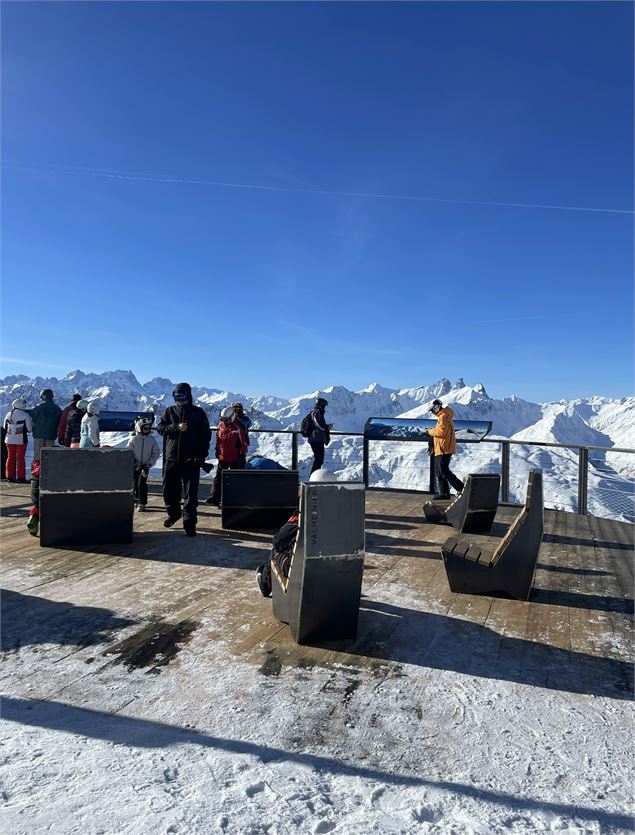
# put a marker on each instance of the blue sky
(125, 244)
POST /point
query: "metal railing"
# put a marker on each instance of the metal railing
(585, 460)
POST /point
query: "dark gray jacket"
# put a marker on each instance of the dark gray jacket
(320, 433)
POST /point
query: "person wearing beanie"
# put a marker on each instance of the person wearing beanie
(146, 455)
(320, 433)
(73, 431)
(17, 423)
(89, 429)
(46, 417)
(63, 422)
(186, 437)
(444, 441)
(241, 417)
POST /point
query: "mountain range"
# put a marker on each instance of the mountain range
(595, 421)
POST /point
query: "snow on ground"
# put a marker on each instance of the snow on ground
(217, 744)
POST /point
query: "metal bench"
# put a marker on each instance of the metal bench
(320, 597)
(258, 499)
(86, 496)
(474, 510)
(509, 569)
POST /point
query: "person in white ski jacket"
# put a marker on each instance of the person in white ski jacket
(89, 433)
(17, 423)
(146, 454)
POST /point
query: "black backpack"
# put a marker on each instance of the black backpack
(306, 427)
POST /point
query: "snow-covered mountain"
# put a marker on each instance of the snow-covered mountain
(596, 421)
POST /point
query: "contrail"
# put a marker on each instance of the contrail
(149, 178)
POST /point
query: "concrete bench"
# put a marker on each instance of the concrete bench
(258, 499)
(320, 597)
(474, 510)
(86, 496)
(509, 569)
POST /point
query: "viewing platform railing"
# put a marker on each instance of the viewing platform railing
(618, 489)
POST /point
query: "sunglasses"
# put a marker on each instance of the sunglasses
(180, 398)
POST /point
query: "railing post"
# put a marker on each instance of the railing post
(294, 451)
(583, 480)
(432, 483)
(365, 461)
(505, 450)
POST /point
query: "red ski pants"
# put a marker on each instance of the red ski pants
(15, 461)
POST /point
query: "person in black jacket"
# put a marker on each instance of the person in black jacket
(321, 433)
(281, 554)
(186, 437)
(74, 424)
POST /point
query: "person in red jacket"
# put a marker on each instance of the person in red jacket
(231, 448)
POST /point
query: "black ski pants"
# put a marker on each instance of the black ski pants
(444, 475)
(140, 487)
(181, 481)
(318, 454)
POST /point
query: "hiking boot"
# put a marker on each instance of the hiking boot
(170, 520)
(264, 587)
(209, 500)
(189, 528)
(33, 525)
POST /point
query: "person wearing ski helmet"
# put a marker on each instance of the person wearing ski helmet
(186, 438)
(146, 455)
(17, 423)
(66, 413)
(46, 417)
(89, 430)
(231, 450)
(444, 441)
(320, 434)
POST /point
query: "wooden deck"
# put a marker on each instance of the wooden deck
(72, 619)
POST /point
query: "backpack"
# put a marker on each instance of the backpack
(306, 427)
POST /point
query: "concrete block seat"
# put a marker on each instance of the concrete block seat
(86, 496)
(509, 569)
(320, 597)
(258, 499)
(474, 510)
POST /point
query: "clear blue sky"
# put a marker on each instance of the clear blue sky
(312, 281)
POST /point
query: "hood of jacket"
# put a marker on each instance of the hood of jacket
(183, 388)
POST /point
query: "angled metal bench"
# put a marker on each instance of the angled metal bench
(474, 510)
(258, 499)
(320, 597)
(86, 496)
(509, 570)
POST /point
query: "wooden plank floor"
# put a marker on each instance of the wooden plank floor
(71, 616)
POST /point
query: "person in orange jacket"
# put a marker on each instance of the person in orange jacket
(444, 441)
